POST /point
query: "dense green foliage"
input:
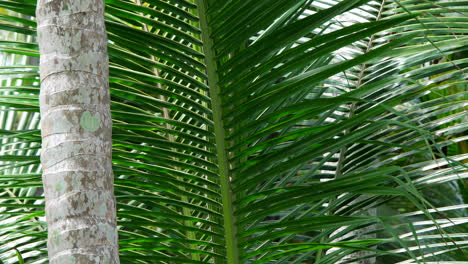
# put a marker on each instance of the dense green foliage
(262, 131)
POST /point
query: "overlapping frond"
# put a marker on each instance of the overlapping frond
(431, 65)
(21, 212)
(262, 131)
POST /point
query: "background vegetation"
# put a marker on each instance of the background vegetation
(302, 131)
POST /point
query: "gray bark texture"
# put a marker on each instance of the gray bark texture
(76, 132)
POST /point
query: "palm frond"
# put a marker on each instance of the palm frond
(261, 131)
(22, 226)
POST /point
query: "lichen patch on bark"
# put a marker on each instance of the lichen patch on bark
(90, 122)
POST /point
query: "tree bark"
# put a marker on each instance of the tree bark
(76, 130)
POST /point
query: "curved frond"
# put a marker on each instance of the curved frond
(274, 131)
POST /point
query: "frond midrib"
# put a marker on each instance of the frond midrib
(232, 251)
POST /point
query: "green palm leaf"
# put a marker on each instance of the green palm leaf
(261, 131)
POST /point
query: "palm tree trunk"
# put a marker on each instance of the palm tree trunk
(76, 132)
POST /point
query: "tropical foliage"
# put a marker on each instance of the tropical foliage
(272, 131)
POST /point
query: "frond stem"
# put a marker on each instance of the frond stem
(166, 114)
(232, 251)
